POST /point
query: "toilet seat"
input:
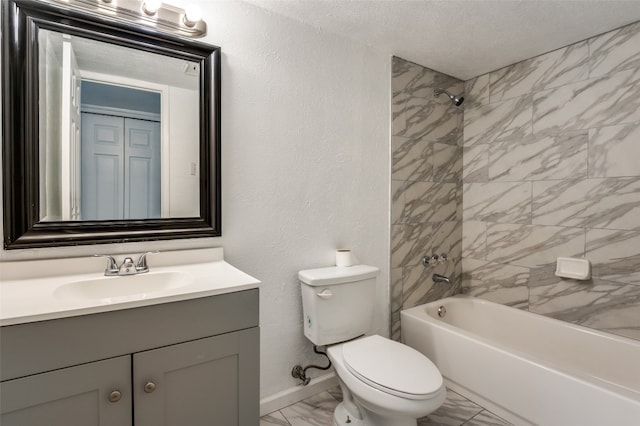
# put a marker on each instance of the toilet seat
(392, 367)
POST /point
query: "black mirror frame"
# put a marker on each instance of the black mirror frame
(21, 20)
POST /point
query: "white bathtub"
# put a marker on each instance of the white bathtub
(527, 368)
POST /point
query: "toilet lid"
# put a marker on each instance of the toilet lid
(392, 367)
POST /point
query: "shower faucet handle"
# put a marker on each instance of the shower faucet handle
(434, 259)
(430, 260)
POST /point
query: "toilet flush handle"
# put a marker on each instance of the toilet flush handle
(325, 294)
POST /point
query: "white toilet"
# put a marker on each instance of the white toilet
(384, 383)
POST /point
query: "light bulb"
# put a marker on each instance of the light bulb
(192, 15)
(150, 7)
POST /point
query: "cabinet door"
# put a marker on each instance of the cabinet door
(71, 396)
(206, 382)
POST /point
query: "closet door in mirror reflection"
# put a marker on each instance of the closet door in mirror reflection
(120, 168)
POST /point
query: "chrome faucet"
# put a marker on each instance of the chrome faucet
(437, 278)
(128, 267)
(112, 265)
(141, 266)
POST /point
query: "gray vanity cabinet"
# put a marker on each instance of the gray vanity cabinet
(193, 362)
(191, 383)
(94, 394)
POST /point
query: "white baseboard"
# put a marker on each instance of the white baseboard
(294, 394)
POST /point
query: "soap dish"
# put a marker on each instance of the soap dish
(569, 267)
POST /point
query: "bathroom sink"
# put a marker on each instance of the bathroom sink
(109, 289)
(42, 290)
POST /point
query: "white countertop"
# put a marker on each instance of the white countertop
(27, 296)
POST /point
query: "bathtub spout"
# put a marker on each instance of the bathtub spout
(437, 278)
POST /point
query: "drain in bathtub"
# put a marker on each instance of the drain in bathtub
(442, 311)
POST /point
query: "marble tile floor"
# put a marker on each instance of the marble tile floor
(318, 411)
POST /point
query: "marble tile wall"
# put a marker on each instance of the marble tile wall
(426, 186)
(551, 150)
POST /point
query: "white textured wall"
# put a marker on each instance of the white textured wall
(184, 187)
(305, 164)
(305, 142)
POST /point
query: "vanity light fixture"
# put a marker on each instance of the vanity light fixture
(150, 13)
(150, 7)
(192, 15)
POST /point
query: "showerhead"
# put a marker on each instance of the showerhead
(457, 100)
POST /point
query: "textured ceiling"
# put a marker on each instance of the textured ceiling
(135, 64)
(98, 57)
(462, 38)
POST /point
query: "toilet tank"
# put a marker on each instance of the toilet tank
(337, 302)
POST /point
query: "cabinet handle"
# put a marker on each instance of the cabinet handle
(149, 387)
(115, 396)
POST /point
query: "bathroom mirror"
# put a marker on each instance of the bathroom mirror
(111, 133)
